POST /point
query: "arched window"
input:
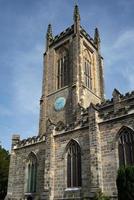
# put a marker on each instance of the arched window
(63, 69)
(87, 69)
(73, 164)
(126, 147)
(87, 73)
(31, 173)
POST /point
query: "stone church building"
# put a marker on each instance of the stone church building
(83, 138)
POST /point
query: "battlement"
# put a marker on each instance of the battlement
(63, 34)
(26, 142)
(87, 36)
(68, 31)
(117, 106)
(126, 96)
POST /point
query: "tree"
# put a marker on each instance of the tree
(125, 183)
(4, 168)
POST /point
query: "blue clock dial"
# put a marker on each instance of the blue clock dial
(59, 103)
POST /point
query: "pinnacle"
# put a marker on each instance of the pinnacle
(76, 12)
(49, 31)
(96, 35)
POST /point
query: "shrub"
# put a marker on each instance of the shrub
(4, 167)
(125, 183)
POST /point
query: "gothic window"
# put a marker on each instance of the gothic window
(31, 173)
(62, 72)
(73, 164)
(126, 147)
(87, 73)
(87, 58)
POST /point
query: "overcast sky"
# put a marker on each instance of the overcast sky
(23, 25)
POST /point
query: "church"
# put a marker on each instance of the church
(83, 138)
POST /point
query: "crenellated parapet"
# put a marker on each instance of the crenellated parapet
(120, 105)
(17, 143)
(68, 31)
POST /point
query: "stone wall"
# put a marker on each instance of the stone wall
(109, 147)
(19, 157)
(60, 142)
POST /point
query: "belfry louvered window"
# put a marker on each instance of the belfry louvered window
(31, 173)
(126, 147)
(62, 76)
(87, 74)
(73, 164)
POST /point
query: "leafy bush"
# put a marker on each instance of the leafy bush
(125, 183)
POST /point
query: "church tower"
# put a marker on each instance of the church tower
(82, 139)
(73, 73)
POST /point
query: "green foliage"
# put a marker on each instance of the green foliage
(100, 196)
(125, 183)
(4, 168)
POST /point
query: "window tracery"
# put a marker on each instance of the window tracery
(126, 147)
(87, 70)
(31, 173)
(73, 164)
(62, 69)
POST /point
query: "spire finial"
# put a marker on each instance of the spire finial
(97, 38)
(49, 31)
(76, 12)
(76, 18)
(49, 36)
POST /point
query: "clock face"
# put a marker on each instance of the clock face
(59, 103)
